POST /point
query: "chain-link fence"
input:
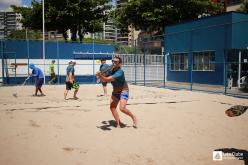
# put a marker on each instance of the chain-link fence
(208, 55)
(147, 63)
(16, 55)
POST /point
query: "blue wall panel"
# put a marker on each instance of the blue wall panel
(66, 50)
(239, 31)
(178, 42)
(34, 49)
(178, 76)
(204, 22)
(240, 35)
(31, 81)
(19, 48)
(51, 50)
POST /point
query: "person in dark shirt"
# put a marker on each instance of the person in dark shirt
(70, 80)
(104, 66)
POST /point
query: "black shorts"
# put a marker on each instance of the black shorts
(74, 85)
(68, 85)
(52, 75)
(39, 82)
(104, 84)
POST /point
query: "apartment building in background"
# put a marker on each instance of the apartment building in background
(128, 38)
(112, 33)
(122, 37)
(9, 21)
(109, 32)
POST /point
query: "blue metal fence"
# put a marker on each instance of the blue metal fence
(215, 50)
(17, 54)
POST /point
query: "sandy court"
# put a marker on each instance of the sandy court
(174, 127)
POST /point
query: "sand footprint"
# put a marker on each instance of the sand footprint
(33, 123)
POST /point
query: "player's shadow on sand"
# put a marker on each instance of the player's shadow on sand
(72, 98)
(108, 125)
(235, 152)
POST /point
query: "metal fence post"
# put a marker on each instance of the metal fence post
(94, 78)
(15, 70)
(225, 73)
(144, 64)
(135, 62)
(164, 56)
(28, 53)
(58, 76)
(191, 60)
(2, 61)
(225, 60)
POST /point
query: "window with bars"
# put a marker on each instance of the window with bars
(204, 61)
(179, 61)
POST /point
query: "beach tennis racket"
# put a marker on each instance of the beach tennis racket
(26, 80)
(107, 69)
(75, 85)
(104, 71)
(236, 110)
(15, 94)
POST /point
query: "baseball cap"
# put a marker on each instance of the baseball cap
(32, 66)
(72, 61)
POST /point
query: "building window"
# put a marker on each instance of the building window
(204, 61)
(179, 61)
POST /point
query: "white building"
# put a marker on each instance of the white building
(9, 21)
(130, 37)
(109, 31)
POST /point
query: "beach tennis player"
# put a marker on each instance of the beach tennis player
(120, 92)
(70, 80)
(39, 79)
(103, 66)
(52, 73)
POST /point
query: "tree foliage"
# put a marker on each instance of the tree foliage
(22, 34)
(80, 16)
(153, 15)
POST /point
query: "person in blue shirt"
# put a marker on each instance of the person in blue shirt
(120, 92)
(70, 80)
(104, 66)
(39, 79)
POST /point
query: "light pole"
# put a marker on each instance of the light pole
(239, 68)
(43, 43)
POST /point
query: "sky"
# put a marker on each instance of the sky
(5, 4)
(26, 2)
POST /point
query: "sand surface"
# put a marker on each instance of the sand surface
(174, 127)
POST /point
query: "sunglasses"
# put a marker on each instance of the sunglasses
(115, 61)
